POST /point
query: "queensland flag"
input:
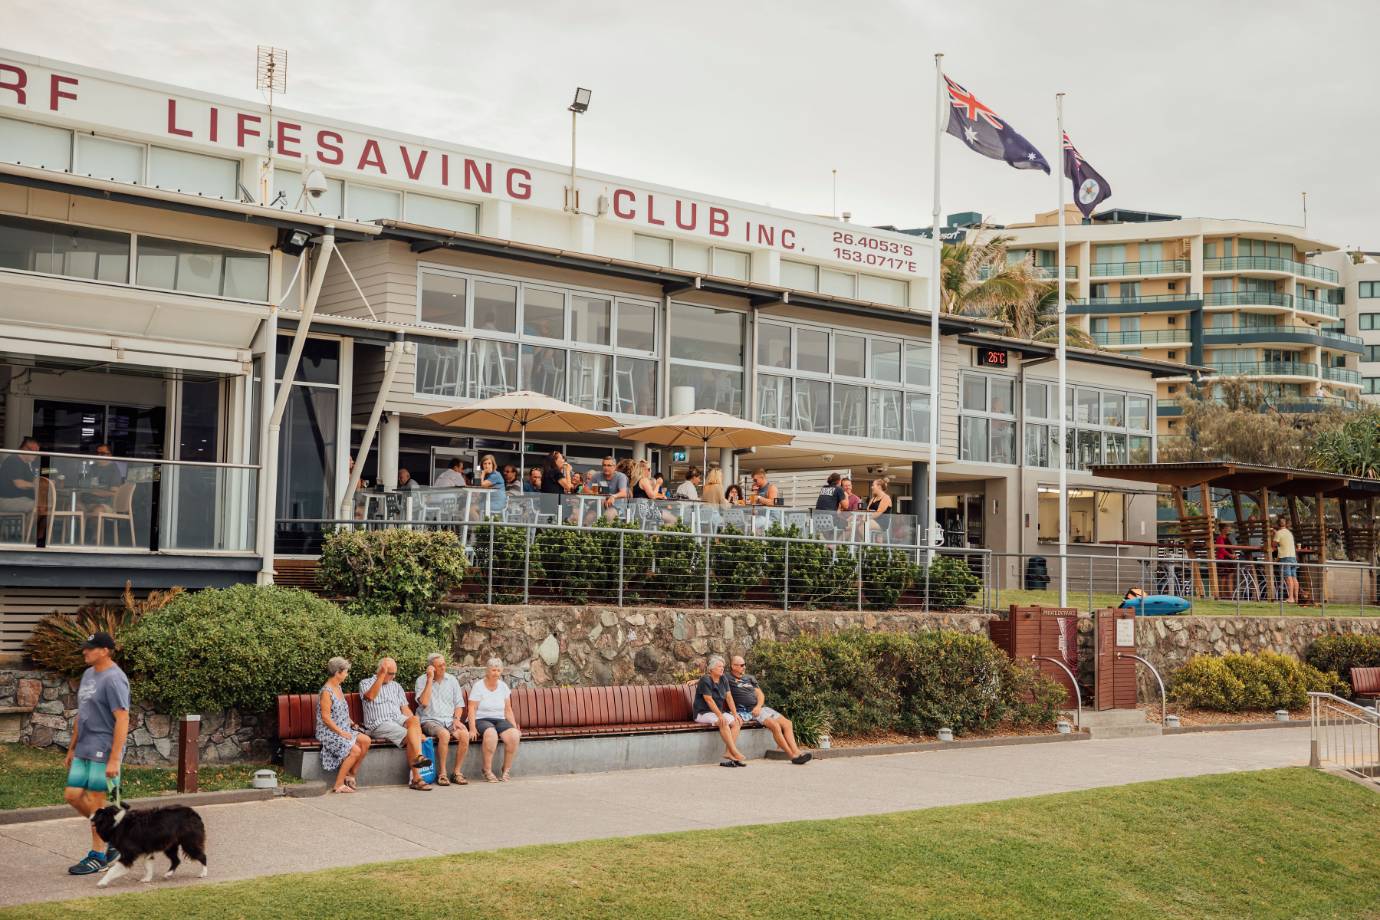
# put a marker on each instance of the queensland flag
(1089, 188)
(979, 127)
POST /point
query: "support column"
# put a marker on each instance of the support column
(389, 433)
(639, 450)
(1267, 542)
(919, 501)
(726, 463)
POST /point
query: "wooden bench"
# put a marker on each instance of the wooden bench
(1365, 684)
(566, 713)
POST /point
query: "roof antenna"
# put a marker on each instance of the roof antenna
(1305, 209)
(270, 75)
(834, 211)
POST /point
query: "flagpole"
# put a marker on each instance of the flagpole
(1062, 352)
(936, 295)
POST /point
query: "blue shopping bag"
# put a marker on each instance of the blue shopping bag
(429, 752)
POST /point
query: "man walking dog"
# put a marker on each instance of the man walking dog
(98, 742)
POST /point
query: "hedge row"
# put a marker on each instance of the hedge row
(1249, 682)
(852, 682)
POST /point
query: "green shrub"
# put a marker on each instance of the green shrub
(240, 647)
(854, 681)
(571, 562)
(1249, 682)
(678, 566)
(886, 574)
(622, 546)
(502, 551)
(396, 572)
(1339, 654)
(56, 640)
(737, 565)
(819, 575)
(951, 583)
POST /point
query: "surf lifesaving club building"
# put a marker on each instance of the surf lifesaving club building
(161, 257)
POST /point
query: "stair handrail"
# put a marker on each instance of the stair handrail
(1077, 694)
(1164, 699)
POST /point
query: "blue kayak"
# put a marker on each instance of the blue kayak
(1157, 605)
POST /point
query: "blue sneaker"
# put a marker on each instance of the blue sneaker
(90, 864)
(111, 854)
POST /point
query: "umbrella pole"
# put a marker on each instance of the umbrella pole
(522, 447)
(704, 459)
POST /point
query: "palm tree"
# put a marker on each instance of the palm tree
(978, 280)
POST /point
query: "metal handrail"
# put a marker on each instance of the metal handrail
(1164, 700)
(120, 458)
(1077, 693)
(1355, 716)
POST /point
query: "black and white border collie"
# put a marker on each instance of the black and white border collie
(141, 833)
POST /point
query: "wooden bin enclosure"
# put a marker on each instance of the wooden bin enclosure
(1050, 632)
(1114, 681)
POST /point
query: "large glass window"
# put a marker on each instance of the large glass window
(495, 306)
(850, 356)
(61, 249)
(987, 425)
(35, 145)
(773, 345)
(1105, 426)
(543, 370)
(591, 319)
(543, 313)
(707, 350)
(729, 263)
(443, 300)
(812, 347)
(636, 326)
(199, 269)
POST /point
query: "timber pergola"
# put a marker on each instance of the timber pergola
(1198, 533)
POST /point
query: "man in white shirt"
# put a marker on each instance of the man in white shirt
(453, 478)
(441, 707)
(689, 489)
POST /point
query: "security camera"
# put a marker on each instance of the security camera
(315, 183)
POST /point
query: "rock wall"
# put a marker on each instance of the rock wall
(225, 736)
(548, 646)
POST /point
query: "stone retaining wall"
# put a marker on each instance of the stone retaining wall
(225, 736)
(548, 646)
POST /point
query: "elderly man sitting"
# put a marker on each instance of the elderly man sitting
(441, 707)
(750, 702)
(388, 718)
(713, 705)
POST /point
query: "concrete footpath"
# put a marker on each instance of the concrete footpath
(384, 823)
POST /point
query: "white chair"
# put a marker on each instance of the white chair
(623, 387)
(121, 511)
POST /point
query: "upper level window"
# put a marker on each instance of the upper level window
(431, 211)
(287, 191)
(1368, 289)
(60, 249)
(35, 145)
(103, 158)
(195, 173)
(654, 250)
(987, 425)
(730, 263)
(366, 203)
(196, 268)
(1105, 426)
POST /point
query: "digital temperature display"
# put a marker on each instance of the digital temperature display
(992, 357)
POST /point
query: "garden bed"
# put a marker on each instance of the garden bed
(1189, 717)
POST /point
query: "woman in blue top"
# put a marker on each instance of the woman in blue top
(490, 478)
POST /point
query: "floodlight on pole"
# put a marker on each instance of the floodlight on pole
(577, 108)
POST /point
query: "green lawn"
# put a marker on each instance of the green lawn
(1281, 843)
(1001, 600)
(30, 777)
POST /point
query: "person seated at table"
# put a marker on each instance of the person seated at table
(555, 475)
(831, 495)
(852, 501)
(452, 477)
(19, 482)
(577, 481)
(688, 490)
(1226, 567)
(533, 483)
(511, 483)
(645, 491)
(387, 717)
(878, 505)
(101, 480)
(660, 481)
(764, 491)
(713, 495)
(490, 478)
(733, 495)
(613, 485)
(405, 481)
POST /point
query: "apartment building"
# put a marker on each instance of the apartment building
(1361, 272)
(1258, 301)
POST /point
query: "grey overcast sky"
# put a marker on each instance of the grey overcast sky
(1218, 108)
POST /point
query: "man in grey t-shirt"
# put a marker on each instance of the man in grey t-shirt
(98, 742)
(611, 484)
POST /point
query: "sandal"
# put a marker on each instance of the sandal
(459, 779)
(350, 781)
(342, 789)
(504, 778)
(420, 785)
(488, 775)
(441, 780)
(422, 762)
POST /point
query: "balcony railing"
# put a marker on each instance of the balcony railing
(1342, 375)
(1269, 264)
(1247, 299)
(1310, 305)
(88, 503)
(1141, 298)
(1151, 267)
(1286, 331)
(1046, 272)
(1154, 337)
(1278, 403)
(1265, 369)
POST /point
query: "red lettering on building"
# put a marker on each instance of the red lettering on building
(473, 177)
(619, 194)
(172, 120)
(445, 169)
(413, 172)
(519, 190)
(242, 129)
(787, 239)
(215, 123)
(651, 212)
(16, 86)
(718, 222)
(766, 236)
(371, 155)
(694, 215)
(57, 92)
(284, 138)
(328, 149)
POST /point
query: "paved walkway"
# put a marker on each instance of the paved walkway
(385, 823)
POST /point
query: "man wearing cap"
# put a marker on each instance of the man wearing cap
(98, 742)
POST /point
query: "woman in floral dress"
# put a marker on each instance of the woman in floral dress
(342, 747)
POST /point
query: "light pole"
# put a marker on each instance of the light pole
(577, 108)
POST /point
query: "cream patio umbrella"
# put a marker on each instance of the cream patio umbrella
(707, 428)
(523, 411)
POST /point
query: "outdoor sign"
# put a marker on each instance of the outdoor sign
(993, 357)
(1126, 633)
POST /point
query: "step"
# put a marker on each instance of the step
(1109, 717)
(1106, 732)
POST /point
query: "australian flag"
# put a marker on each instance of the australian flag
(979, 127)
(1089, 188)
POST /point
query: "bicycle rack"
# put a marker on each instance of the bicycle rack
(1164, 702)
(1077, 693)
